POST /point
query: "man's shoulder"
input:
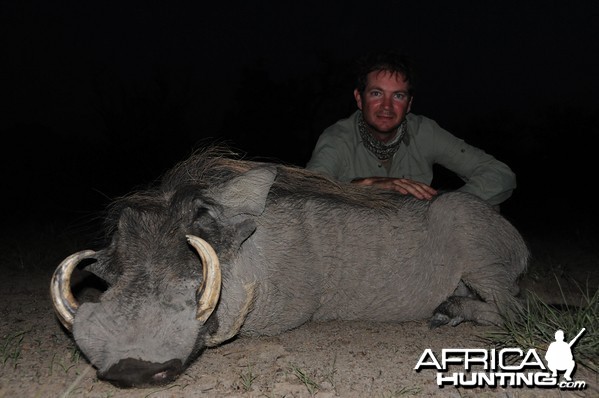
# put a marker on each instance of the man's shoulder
(343, 128)
(422, 127)
(420, 122)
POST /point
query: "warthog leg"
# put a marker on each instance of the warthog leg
(456, 310)
(451, 310)
(481, 303)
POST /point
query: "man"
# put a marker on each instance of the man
(382, 144)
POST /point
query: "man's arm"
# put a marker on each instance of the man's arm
(327, 158)
(402, 185)
(484, 175)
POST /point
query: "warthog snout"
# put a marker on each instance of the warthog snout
(137, 373)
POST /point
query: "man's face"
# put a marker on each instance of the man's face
(384, 103)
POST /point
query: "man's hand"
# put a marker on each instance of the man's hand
(401, 185)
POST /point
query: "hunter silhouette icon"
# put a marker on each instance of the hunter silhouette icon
(559, 355)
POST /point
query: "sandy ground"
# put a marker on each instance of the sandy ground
(337, 359)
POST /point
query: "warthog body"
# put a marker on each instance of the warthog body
(293, 246)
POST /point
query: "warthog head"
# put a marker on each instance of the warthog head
(164, 280)
(159, 319)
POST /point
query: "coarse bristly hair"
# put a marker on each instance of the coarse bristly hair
(216, 164)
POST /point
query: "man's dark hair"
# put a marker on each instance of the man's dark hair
(392, 61)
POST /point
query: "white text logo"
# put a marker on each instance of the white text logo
(507, 367)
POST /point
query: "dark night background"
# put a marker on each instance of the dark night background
(101, 97)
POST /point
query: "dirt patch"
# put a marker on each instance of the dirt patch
(335, 359)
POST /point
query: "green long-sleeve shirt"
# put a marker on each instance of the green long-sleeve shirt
(340, 154)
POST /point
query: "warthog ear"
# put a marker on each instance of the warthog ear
(246, 194)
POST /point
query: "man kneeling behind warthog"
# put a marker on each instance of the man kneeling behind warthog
(279, 246)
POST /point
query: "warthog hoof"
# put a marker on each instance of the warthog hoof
(448, 312)
(441, 319)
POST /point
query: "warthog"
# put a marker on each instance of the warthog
(224, 247)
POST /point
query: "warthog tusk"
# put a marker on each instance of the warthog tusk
(64, 302)
(211, 283)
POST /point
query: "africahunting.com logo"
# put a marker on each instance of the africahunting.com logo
(507, 367)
